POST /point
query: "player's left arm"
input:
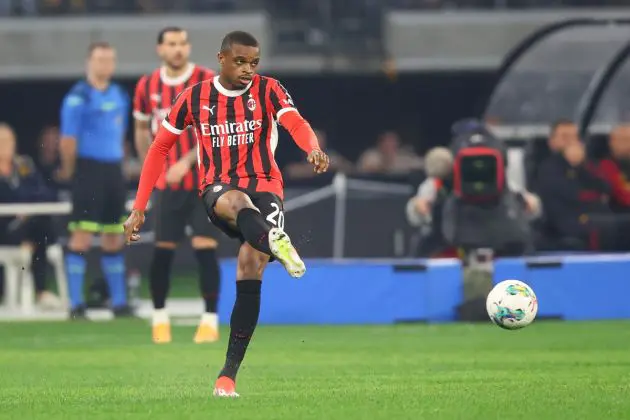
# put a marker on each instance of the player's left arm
(300, 130)
(70, 118)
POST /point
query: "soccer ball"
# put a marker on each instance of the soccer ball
(512, 304)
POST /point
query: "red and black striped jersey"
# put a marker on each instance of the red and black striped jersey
(154, 96)
(236, 130)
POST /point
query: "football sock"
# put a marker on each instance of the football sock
(75, 272)
(113, 265)
(160, 275)
(39, 265)
(254, 229)
(242, 324)
(209, 278)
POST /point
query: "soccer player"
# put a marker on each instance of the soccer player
(94, 117)
(177, 203)
(234, 116)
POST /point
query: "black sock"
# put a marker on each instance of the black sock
(160, 275)
(242, 324)
(39, 265)
(254, 229)
(209, 277)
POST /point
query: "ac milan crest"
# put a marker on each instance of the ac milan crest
(251, 103)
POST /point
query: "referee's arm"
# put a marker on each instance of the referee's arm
(70, 124)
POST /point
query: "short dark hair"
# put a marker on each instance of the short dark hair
(164, 31)
(560, 122)
(239, 38)
(98, 44)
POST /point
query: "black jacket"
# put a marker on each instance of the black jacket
(569, 195)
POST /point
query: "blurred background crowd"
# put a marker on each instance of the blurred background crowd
(383, 83)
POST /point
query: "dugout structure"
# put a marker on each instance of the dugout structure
(577, 70)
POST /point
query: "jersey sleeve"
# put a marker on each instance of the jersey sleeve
(179, 117)
(141, 103)
(71, 111)
(280, 98)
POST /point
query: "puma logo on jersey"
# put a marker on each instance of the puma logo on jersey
(211, 110)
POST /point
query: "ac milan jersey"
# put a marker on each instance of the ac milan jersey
(236, 131)
(154, 96)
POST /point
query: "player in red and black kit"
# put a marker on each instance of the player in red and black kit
(234, 116)
(177, 202)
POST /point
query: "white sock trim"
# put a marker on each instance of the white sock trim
(211, 319)
(160, 316)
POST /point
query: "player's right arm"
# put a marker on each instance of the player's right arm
(71, 112)
(177, 120)
(142, 118)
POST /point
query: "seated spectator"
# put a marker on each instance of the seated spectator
(389, 157)
(574, 199)
(303, 169)
(563, 134)
(616, 169)
(48, 160)
(21, 183)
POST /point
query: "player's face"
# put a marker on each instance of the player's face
(239, 65)
(7, 144)
(102, 63)
(175, 49)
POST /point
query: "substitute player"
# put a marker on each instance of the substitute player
(177, 203)
(234, 116)
(94, 117)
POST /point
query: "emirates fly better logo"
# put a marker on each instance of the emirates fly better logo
(231, 134)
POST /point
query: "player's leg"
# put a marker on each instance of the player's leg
(205, 247)
(236, 209)
(112, 241)
(84, 223)
(169, 226)
(250, 266)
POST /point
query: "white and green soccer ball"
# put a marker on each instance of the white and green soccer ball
(512, 304)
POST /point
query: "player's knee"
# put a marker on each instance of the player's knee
(80, 241)
(231, 203)
(111, 242)
(203, 242)
(251, 266)
(165, 245)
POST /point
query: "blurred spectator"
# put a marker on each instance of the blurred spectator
(424, 210)
(48, 160)
(303, 169)
(563, 133)
(389, 157)
(616, 168)
(574, 199)
(439, 164)
(21, 183)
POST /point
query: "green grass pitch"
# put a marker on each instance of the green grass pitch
(111, 370)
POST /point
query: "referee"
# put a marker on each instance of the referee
(94, 117)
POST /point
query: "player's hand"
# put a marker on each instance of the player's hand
(132, 226)
(177, 172)
(319, 160)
